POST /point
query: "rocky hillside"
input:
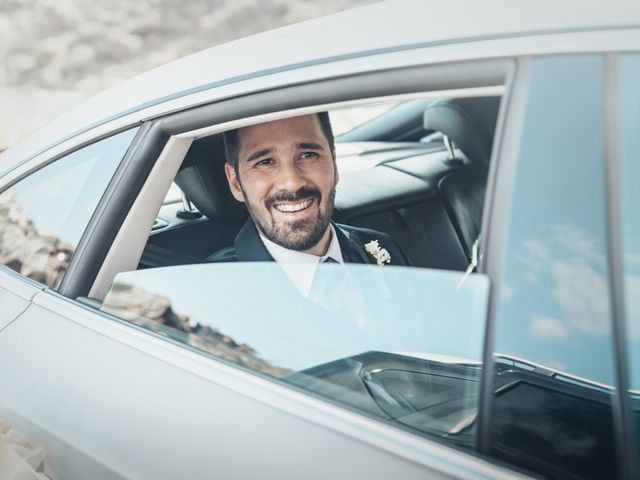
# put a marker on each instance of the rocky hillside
(55, 53)
(156, 313)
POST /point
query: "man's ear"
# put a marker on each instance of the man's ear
(335, 165)
(234, 183)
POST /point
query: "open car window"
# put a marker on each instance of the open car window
(428, 196)
(401, 342)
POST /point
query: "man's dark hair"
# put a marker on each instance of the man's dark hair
(231, 146)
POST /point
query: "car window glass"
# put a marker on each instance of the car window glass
(629, 108)
(401, 344)
(43, 216)
(346, 119)
(409, 349)
(553, 343)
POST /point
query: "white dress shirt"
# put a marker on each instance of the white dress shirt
(300, 267)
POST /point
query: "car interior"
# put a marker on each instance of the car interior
(417, 172)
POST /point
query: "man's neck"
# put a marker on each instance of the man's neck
(320, 248)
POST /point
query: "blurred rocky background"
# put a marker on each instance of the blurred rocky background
(156, 313)
(55, 53)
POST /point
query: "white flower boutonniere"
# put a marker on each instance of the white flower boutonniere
(374, 249)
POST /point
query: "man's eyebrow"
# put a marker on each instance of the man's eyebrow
(259, 153)
(309, 146)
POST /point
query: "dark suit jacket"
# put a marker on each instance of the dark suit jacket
(248, 246)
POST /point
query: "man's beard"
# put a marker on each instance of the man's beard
(299, 235)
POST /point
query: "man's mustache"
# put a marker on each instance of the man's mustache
(302, 194)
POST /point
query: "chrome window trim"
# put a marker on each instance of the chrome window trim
(503, 164)
(61, 150)
(267, 117)
(615, 248)
(18, 284)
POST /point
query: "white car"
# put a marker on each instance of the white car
(495, 141)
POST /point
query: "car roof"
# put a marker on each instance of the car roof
(377, 28)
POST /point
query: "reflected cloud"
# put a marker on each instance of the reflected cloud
(507, 292)
(578, 241)
(547, 327)
(581, 293)
(570, 258)
(536, 254)
(632, 261)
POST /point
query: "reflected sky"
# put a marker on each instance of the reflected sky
(61, 197)
(629, 91)
(554, 303)
(391, 309)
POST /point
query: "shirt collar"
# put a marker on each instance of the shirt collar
(300, 267)
(283, 255)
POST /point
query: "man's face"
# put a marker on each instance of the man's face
(287, 178)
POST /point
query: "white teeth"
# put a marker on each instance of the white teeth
(296, 207)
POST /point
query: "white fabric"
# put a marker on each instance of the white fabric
(300, 267)
(20, 459)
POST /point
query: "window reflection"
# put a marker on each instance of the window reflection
(43, 216)
(552, 411)
(630, 196)
(402, 344)
(629, 121)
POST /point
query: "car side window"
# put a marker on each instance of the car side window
(400, 344)
(43, 216)
(359, 328)
(553, 350)
(629, 121)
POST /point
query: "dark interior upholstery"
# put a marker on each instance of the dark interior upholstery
(201, 177)
(431, 205)
(470, 124)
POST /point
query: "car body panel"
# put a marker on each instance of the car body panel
(16, 293)
(168, 407)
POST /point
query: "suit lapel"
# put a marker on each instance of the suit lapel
(350, 243)
(249, 247)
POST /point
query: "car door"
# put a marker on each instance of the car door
(109, 398)
(558, 404)
(43, 215)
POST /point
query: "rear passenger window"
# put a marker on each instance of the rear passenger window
(356, 324)
(43, 216)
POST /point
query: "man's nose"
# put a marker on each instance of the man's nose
(290, 176)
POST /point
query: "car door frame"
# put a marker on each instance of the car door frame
(149, 146)
(505, 162)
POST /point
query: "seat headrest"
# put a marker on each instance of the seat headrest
(201, 177)
(468, 122)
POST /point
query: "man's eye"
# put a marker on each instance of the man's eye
(264, 161)
(309, 155)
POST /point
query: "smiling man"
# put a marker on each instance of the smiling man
(285, 172)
